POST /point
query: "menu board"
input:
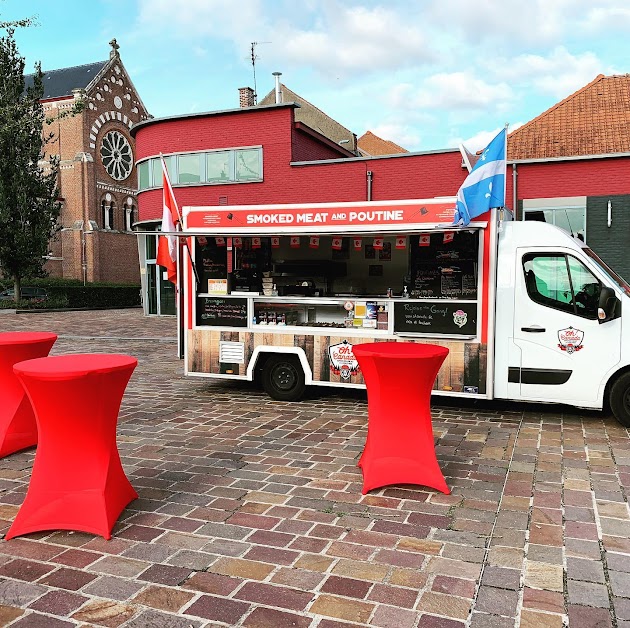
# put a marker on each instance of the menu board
(444, 269)
(457, 319)
(211, 261)
(215, 311)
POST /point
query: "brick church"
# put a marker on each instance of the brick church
(97, 174)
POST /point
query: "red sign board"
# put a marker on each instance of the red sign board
(324, 217)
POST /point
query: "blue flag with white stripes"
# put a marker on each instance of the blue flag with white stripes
(484, 187)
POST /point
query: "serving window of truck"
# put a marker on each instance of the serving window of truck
(284, 292)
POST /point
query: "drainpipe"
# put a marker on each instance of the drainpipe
(369, 185)
(514, 194)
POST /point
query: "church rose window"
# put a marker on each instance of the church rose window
(116, 155)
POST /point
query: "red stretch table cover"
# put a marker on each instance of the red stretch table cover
(78, 482)
(399, 448)
(18, 429)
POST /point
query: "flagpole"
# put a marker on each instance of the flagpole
(179, 216)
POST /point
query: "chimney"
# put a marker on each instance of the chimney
(278, 92)
(246, 97)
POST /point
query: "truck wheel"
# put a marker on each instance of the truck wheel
(620, 399)
(283, 378)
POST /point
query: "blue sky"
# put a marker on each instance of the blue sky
(427, 74)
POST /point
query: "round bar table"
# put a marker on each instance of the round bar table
(399, 448)
(78, 482)
(18, 429)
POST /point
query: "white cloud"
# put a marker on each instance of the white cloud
(403, 135)
(454, 91)
(558, 74)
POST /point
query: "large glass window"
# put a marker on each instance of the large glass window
(571, 219)
(248, 165)
(220, 166)
(144, 180)
(562, 283)
(189, 168)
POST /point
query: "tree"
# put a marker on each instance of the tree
(29, 206)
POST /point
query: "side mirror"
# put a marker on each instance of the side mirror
(608, 305)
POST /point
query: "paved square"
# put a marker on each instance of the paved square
(250, 511)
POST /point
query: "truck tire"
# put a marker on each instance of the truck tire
(283, 378)
(620, 399)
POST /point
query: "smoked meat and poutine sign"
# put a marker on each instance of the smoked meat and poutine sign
(389, 216)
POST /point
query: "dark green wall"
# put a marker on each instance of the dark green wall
(611, 244)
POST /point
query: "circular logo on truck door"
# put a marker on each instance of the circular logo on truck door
(570, 340)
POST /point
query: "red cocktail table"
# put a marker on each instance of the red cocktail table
(78, 482)
(18, 429)
(399, 448)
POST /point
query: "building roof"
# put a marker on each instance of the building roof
(59, 83)
(371, 145)
(315, 118)
(595, 120)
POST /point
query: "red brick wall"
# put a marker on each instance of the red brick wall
(409, 176)
(307, 148)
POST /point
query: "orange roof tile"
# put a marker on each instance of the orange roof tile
(595, 120)
(372, 145)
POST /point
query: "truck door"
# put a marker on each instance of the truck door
(565, 352)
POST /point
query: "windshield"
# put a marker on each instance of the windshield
(609, 272)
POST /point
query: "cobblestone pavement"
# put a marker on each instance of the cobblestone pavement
(251, 514)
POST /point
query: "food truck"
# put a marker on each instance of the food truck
(280, 294)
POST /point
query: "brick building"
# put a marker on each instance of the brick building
(97, 174)
(288, 163)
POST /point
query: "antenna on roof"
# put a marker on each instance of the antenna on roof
(254, 56)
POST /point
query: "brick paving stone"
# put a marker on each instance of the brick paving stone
(217, 608)
(270, 618)
(587, 570)
(530, 619)
(58, 602)
(396, 596)
(35, 620)
(585, 617)
(8, 614)
(242, 568)
(214, 583)
(388, 616)
(155, 619)
(497, 601)
(501, 577)
(165, 574)
(587, 594)
(113, 588)
(484, 620)
(433, 621)
(620, 583)
(543, 576)
(342, 608)
(104, 613)
(65, 578)
(272, 595)
(27, 570)
(449, 605)
(163, 598)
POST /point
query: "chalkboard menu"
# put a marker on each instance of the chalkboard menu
(211, 261)
(435, 318)
(216, 311)
(444, 267)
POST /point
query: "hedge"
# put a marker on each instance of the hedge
(70, 293)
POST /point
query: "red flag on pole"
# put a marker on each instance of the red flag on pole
(167, 244)
(256, 243)
(313, 242)
(378, 244)
(424, 239)
(357, 243)
(275, 242)
(337, 244)
(401, 242)
(238, 243)
(448, 236)
(295, 242)
(220, 241)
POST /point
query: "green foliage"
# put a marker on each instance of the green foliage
(28, 195)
